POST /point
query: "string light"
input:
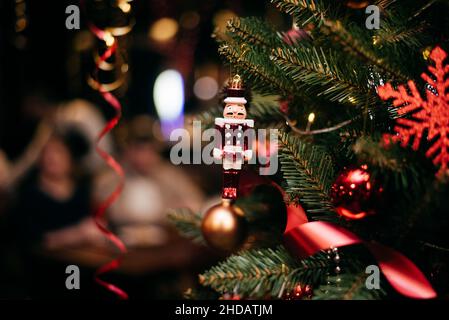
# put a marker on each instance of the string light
(310, 120)
(311, 117)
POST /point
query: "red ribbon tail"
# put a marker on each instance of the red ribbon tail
(309, 238)
(401, 273)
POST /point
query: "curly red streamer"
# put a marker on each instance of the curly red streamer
(112, 163)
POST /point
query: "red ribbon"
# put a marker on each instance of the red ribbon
(112, 163)
(303, 239)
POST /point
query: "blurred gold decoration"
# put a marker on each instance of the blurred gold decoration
(124, 68)
(119, 66)
(105, 87)
(121, 31)
(103, 65)
(124, 5)
(108, 38)
(426, 53)
(21, 23)
(21, 18)
(163, 29)
(352, 99)
(224, 226)
(221, 19)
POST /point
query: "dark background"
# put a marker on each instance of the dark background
(43, 56)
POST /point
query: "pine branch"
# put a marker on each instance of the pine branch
(248, 51)
(384, 4)
(256, 273)
(393, 164)
(350, 44)
(347, 287)
(397, 31)
(265, 110)
(319, 72)
(188, 223)
(395, 35)
(305, 11)
(372, 151)
(308, 171)
(254, 65)
(252, 30)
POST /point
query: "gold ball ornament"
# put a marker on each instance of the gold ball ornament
(224, 226)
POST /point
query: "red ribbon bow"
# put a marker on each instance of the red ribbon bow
(303, 239)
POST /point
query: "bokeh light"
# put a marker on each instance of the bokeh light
(163, 29)
(168, 95)
(205, 88)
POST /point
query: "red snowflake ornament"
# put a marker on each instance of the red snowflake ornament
(431, 115)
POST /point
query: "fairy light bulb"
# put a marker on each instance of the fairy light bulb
(311, 117)
(310, 120)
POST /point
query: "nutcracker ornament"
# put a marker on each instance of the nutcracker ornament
(234, 149)
(224, 225)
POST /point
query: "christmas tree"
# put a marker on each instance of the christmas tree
(361, 149)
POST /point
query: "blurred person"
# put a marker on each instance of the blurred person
(87, 118)
(152, 185)
(56, 193)
(46, 111)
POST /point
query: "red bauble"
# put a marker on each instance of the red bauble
(355, 194)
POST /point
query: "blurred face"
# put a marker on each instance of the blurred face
(234, 111)
(141, 156)
(55, 159)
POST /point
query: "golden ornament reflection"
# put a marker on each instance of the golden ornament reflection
(224, 226)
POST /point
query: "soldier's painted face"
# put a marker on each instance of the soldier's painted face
(234, 111)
